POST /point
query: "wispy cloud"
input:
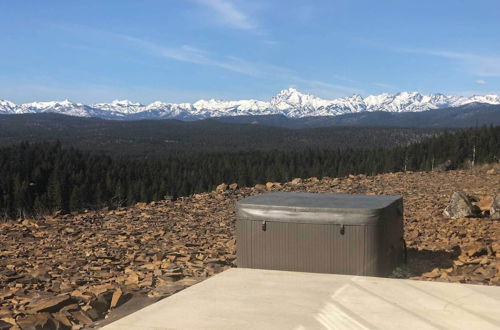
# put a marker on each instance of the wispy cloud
(192, 54)
(480, 82)
(480, 65)
(326, 87)
(229, 14)
(385, 86)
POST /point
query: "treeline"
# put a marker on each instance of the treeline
(38, 178)
(159, 138)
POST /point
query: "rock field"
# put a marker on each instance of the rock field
(67, 271)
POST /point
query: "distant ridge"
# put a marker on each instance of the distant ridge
(289, 103)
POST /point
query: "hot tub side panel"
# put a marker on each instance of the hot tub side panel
(321, 248)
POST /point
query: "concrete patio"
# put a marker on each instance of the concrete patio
(261, 299)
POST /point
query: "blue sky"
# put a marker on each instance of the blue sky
(181, 51)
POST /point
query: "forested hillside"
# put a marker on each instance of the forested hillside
(157, 138)
(470, 115)
(46, 177)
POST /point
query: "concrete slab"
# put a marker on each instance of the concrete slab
(263, 299)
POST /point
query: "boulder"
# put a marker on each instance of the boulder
(296, 181)
(495, 208)
(233, 186)
(461, 206)
(445, 166)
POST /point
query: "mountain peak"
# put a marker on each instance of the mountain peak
(289, 102)
(124, 103)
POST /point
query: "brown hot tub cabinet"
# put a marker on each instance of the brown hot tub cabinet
(323, 233)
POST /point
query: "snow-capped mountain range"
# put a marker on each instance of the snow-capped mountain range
(289, 102)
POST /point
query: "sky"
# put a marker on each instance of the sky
(185, 50)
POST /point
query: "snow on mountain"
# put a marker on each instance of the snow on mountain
(7, 107)
(123, 106)
(65, 107)
(289, 102)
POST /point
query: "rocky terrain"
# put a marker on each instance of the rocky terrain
(67, 271)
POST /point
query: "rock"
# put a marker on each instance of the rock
(474, 250)
(260, 187)
(460, 206)
(495, 208)
(484, 203)
(435, 273)
(495, 246)
(37, 321)
(132, 279)
(4, 325)
(271, 185)
(94, 314)
(7, 293)
(491, 171)
(222, 187)
(62, 318)
(81, 317)
(296, 181)
(443, 166)
(233, 186)
(117, 299)
(50, 304)
(166, 290)
(100, 289)
(101, 305)
(72, 307)
(156, 247)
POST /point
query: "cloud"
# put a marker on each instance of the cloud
(480, 82)
(230, 15)
(192, 54)
(327, 87)
(476, 64)
(195, 55)
(385, 86)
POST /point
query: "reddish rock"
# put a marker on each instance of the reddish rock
(165, 246)
(49, 304)
(37, 321)
(222, 187)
